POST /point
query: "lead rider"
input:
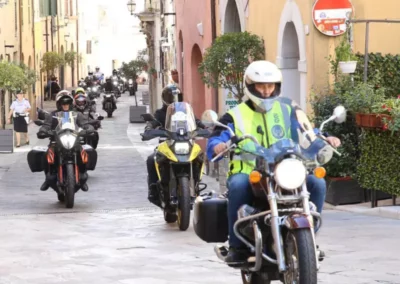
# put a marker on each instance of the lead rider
(264, 114)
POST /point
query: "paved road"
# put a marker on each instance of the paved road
(115, 236)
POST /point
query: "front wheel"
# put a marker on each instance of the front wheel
(253, 278)
(300, 258)
(183, 203)
(109, 114)
(70, 186)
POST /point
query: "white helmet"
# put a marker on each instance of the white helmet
(262, 71)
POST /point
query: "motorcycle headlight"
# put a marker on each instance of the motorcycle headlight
(108, 96)
(182, 148)
(115, 83)
(68, 140)
(89, 89)
(130, 81)
(95, 89)
(290, 174)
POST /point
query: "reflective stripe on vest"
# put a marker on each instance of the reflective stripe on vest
(275, 124)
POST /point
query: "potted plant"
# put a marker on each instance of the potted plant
(342, 188)
(346, 59)
(362, 101)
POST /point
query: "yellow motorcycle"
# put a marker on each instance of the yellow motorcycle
(179, 162)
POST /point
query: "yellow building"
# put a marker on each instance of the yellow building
(9, 41)
(294, 43)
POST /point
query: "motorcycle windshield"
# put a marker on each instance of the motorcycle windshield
(180, 118)
(283, 146)
(66, 120)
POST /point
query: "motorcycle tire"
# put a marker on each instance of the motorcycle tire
(184, 206)
(300, 243)
(170, 217)
(253, 278)
(109, 114)
(70, 188)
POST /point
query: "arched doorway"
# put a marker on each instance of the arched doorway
(292, 57)
(62, 70)
(181, 79)
(198, 88)
(72, 68)
(232, 18)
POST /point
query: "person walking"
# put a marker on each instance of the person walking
(19, 110)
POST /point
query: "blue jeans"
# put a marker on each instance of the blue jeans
(240, 193)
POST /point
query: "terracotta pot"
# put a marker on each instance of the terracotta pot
(371, 120)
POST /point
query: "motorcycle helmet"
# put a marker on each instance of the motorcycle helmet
(80, 101)
(262, 72)
(171, 94)
(115, 72)
(80, 91)
(63, 98)
(97, 68)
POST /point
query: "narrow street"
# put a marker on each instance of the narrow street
(114, 235)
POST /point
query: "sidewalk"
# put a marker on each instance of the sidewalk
(385, 209)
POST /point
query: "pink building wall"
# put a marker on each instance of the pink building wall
(189, 13)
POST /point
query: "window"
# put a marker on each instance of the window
(16, 18)
(89, 47)
(48, 8)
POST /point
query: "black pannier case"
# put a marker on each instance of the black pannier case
(37, 159)
(92, 161)
(210, 220)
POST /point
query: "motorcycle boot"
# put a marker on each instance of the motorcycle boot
(237, 256)
(50, 181)
(82, 180)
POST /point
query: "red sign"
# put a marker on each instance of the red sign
(329, 16)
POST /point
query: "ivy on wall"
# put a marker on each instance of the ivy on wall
(387, 67)
(378, 165)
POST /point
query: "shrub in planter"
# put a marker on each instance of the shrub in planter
(341, 187)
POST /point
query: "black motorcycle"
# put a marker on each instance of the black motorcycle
(69, 155)
(109, 103)
(279, 227)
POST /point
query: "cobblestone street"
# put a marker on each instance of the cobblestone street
(113, 235)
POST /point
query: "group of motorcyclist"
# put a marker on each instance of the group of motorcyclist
(263, 82)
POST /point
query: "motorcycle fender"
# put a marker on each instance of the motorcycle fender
(196, 150)
(164, 149)
(299, 221)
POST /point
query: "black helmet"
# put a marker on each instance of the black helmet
(115, 71)
(171, 94)
(64, 98)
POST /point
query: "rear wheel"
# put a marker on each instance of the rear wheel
(300, 258)
(183, 203)
(70, 187)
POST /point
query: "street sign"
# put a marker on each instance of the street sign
(329, 16)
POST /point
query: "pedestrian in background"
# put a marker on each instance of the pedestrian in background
(19, 110)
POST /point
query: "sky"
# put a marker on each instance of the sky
(114, 31)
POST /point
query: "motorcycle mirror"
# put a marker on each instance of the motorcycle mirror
(340, 114)
(38, 122)
(100, 117)
(209, 118)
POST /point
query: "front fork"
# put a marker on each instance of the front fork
(276, 224)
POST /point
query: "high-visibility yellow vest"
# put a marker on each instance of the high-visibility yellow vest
(267, 128)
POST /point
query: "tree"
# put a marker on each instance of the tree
(133, 68)
(70, 57)
(51, 61)
(226, 60)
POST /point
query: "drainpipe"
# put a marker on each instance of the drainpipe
(77, 41)
(213, 37)
(20, 30)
